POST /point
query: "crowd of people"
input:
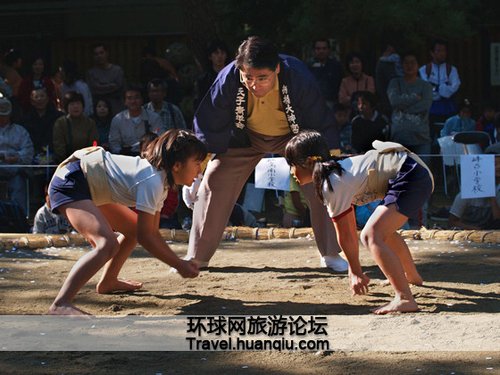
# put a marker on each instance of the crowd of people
(47, 115)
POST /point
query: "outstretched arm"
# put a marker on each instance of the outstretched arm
(149, 237)
(345, 226)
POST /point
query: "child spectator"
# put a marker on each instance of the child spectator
(295, 211)
(47, 222)
(369, 125)
(460, 122)
(342, 119)
(486, 123)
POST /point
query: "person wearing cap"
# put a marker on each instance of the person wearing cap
(461, 122)
(15, 148)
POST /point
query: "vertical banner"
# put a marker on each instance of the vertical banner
(272, 173)
(477, 176)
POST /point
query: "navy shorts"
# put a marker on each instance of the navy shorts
(72, 188)
(410, 189)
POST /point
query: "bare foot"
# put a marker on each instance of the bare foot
(65, 309)
(104, 287)
(397, 306)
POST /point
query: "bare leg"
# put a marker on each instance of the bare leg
(399, 246)
(382, 224)
(87, 219)
(123, 220)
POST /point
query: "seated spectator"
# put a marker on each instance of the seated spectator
(460, 122)
(37, 79)
(477, 213)
(217, 58)
(341, 113)
(15, 148)
(356, 81)
(39, 121)
(73, 82)
(369, 125)
(49, 223)
(295, 210)
(75, 130)
(486, 122)
(102, 117)
(241, 217)
(128, 126)
(411, 100)
(106, 80)
(170, 114)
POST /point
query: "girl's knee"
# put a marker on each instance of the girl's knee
(369, 235)
(107, 247)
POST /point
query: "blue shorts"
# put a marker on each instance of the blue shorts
(72, 188)
(410, 189)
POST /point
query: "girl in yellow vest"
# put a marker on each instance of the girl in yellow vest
(389, 172)
(94, 190)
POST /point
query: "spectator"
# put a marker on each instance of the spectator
(411, 99)
(342, 119)
(169, 113)
(445, 83)
(155, 67)
(73, 82)
(106, 80)
(39, 121)
(37, 79)
(128, 126)
(15, 148)
(369, 125)
(356, 81)
(477, 213)
(460, 122)
(217, 58)
(75, 130)
(47, 222)
(12, 63)
(388, 67)
(295, 210)
(327, 71)
(486, 123)
(102, 117)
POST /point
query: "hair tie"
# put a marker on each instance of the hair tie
(315, 158)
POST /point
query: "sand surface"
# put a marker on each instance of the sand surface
(264, 278)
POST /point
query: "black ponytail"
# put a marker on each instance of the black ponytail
(322, 172)
(310, 146)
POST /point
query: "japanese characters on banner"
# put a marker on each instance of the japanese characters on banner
(477, 176)
(272, 173)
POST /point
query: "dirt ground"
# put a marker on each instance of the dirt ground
(257, 278)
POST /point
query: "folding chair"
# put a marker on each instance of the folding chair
(473, 142)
